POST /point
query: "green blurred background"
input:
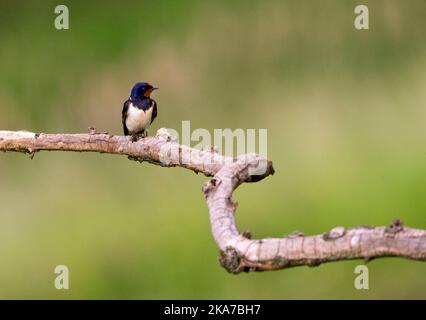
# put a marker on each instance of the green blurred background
(345, 112)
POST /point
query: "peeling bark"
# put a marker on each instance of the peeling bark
(238, 252)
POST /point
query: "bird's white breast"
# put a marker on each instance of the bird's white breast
(137, 119)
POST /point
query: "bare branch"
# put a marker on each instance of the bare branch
(238, 251)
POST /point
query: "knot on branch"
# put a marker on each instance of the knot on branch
(334, 234)
(166, 135)
(246, 234)
(257, 167)
(230, 260)
(210, 185)
(395, 227)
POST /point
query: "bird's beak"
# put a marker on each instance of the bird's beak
(154, 89)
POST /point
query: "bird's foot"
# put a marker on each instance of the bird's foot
(134, 138)
(138, 136)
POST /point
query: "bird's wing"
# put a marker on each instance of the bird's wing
(124, 116)
(154, 111)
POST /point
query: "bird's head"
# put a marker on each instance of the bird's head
(141, 90)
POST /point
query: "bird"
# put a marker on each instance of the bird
(139, 111)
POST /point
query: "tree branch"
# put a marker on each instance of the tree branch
(238, 251)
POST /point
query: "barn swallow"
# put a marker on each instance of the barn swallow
(139, 111)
